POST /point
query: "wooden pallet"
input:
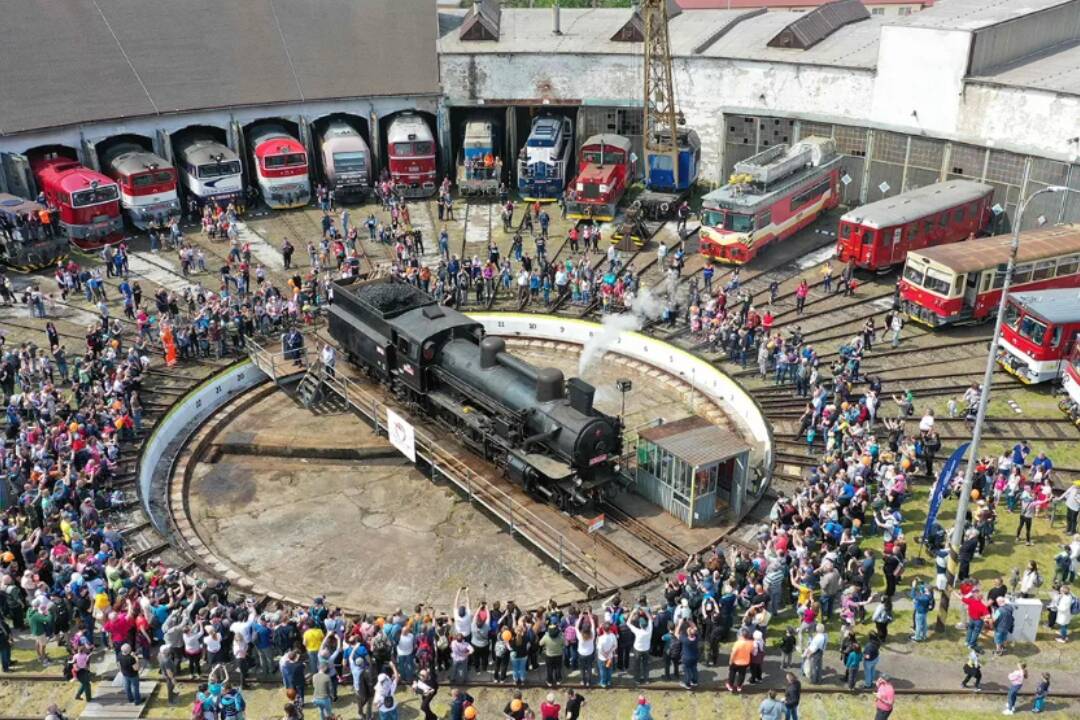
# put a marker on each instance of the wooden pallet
(110, 702)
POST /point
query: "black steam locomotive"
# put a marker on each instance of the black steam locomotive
(544, 433)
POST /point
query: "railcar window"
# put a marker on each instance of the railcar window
(999, 277)
(349, 161)
(713, 218)
(1032, 329)
(912, 231)
(913, 275)
(93, 196)
(1043, 269)
(1023, 273)
(1012, 314)
(958, 216)
(1068, 264)
(938, 282)
(738, 223)
(845, 231)
(285, 160)
(763, 220)
(214, 170)
(661, 162)
(1055, 339)
(811, 193)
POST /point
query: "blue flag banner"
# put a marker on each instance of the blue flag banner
(942, 487)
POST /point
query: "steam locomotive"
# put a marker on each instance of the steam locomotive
(543, 432)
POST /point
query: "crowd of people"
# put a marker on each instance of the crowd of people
(65, 574)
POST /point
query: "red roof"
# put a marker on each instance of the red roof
(751, 4)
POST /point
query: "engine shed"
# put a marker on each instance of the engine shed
(694, 469)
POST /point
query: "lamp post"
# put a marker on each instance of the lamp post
(984, 398)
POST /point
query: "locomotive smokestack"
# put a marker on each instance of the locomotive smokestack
(581, 395)
(549, 384)
(556, 25)
(490, 347)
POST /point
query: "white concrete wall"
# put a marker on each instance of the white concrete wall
(920, 70)
(1033, 121)
(707, 379)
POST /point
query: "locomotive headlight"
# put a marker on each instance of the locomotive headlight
(578, 482)
(603, 188)
(616, 467)
(581, 187)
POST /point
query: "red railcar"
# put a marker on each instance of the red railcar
(1070, 384)
(1039, 333)
(606, 167)
(89, 202)
(880, 234)
(771, 196)
(410, 147)
(962, 282)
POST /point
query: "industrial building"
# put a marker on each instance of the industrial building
(965, 88)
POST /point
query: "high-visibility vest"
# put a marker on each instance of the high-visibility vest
(44, 217)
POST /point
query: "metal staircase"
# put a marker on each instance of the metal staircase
(311, 385)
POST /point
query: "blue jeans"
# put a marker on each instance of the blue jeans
(791, 712)
(1000, 636)
(869, 671)
(518, 668)
(1014, 691)
(641, 662)
(605, 672)
(131, 689)
(974, 627)
(325, 706)
(459, 672)
(920, 626)
(406, 665)
(690, 674)
(5, 658)
(587, 663)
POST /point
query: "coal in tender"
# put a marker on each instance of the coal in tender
(391, 297)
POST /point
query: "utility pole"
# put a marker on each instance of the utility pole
(984, 399)
(660, 128)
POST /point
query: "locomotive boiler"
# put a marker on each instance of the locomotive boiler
(542, 430)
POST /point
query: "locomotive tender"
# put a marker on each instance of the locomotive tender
(545, 434)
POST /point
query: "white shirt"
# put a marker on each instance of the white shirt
(926, 424)
(642, 636)
(405, 643)
(1072, 498)
(463, 623)
(606, 646)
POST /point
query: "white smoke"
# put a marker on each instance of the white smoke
(647, 306)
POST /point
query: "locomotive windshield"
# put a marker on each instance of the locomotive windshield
(712, 218)
(1032, 329)
(285, 160)
(738, 223)
(349, 161)
(213, 170)
(151, 178)
(93, 196)
(608, 157)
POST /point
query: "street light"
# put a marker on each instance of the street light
(984, 399)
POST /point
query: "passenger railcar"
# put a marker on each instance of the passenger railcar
(88, 201)
(1039, 333)
(26, 247)
(879, 235)
(346, 160)
(663, 192)
(544, 163)
(543, 432)
(479, 167)
(962, 282)
(606, 167)
(281, 166)
(770, 197)
(410, 147)
(147, 184)
(211, 172)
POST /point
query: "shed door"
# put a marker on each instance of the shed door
(16, 178)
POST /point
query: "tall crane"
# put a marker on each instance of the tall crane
(660, 126)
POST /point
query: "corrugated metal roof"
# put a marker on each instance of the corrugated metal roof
(696, 441)
(1055, 70)
(974, 14)
(811, 28)
(988, 252)
(75, 61)
(918, 203)
(1056, 306)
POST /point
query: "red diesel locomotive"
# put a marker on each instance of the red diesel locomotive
(880, 234)
(606, 167)
(962, 282)
(89, 202)
(410, 147)
(1039, 333)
